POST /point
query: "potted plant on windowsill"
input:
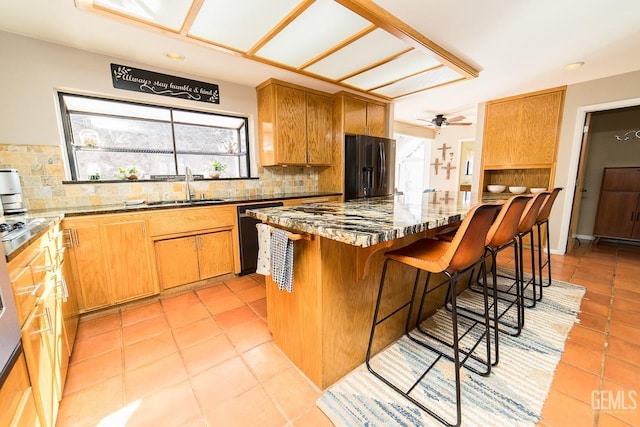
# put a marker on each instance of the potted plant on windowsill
(216, 169)
(131, 173)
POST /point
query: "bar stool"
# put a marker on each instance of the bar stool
(525, 227)
(543, 218)
(453, 259)
(501, 236)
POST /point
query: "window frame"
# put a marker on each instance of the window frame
(174, 152)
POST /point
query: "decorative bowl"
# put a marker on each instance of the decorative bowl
(496, 188)
(537, 189)
(517, 189)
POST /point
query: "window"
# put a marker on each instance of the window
(110, 140)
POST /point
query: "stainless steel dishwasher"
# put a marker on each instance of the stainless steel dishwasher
(248, 236)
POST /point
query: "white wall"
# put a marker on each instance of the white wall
(32, 71)
(452, 136)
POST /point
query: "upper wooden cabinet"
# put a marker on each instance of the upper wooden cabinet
(364, 117)
(618, 214)
(294, 125)
(520, 139)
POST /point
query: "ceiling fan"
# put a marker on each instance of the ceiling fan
(440, 120)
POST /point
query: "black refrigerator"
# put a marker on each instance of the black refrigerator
(369, 163)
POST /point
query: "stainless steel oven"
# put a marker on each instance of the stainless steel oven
(9, 327)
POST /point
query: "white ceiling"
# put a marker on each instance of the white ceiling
(518, 45)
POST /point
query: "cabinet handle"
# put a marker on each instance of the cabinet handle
(69, 242)
(200, 242)
(637, 216)
(632, 214)
(42, 268)
(62, 284)
(46, 314)
(33, 290)
(195, 243)
(144, 231)
(77, 238)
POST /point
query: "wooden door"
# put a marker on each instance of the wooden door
(87, 254)
(319, 129)
(579, 188)
(39, 363)
(616, 214)
(177, 261)
(355, 116)
(376, 120)
(635, 234)
(215, 255)
(291, 126)
(130, 273)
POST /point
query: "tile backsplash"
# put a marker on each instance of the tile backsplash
(42, 172)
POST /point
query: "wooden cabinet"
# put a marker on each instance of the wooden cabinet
(111, 259)
(86, 254)
(17, 407)
(199, 257)
(38, 340)
(364, 117)
(294, 125)
(521, 138)
(618, 214)
(128, 253)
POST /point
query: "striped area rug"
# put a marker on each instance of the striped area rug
(513, 395)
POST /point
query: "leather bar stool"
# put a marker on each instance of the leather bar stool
(501, 236)
(453, 259)
(525, 228)
(543, 219)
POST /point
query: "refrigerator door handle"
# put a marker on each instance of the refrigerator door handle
(383, 166)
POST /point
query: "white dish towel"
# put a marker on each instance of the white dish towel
(264, 249)
(282, 260)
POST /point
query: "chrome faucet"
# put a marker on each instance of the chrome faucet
(187, 175)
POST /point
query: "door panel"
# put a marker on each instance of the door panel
(214, 254)
(177, 261)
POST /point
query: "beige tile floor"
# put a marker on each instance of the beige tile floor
(205, 357)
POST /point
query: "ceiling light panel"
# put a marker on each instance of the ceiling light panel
(239, 24)
(405, 65)
(319, 28)
(419, 82)
(373, 48)
(166, 13)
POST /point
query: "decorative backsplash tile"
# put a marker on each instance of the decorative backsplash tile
(41, 170)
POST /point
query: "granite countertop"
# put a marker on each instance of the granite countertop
(367, 222)
(154, 205)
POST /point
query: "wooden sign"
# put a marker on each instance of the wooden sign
(137, 80)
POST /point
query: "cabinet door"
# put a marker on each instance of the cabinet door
(177, 261)
(215, 254)
(616, 214)
(376, 120)
(130, 273)
(25, 292)
(291, 127)
(87, 255)
(35, 340)
(355, 116)
(319, 129)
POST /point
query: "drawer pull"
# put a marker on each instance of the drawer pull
(64, 295)
(61, 250)
(47, 315)
(42, 268)
(68, 242)
(30, 290)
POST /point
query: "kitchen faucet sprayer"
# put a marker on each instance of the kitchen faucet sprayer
(187, 176)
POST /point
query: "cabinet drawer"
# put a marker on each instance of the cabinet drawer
(187, 220)
(42, 266)
(26, 293)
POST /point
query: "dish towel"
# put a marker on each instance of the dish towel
(282, 259)
(264, 249)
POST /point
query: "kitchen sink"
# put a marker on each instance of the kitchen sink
(185, 202)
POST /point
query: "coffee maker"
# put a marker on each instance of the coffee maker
(11, 192)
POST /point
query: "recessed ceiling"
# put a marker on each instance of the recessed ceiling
(352, 43)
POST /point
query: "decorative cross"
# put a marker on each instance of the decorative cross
(448, 168)
(436, 164)
(446, 199)
(444, 149)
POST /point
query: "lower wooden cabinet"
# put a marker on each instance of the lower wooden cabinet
(188, 259)
(110, 260)
(16, 397)
(618, 214)
(38, 340)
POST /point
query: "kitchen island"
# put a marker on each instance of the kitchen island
(323, 326)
